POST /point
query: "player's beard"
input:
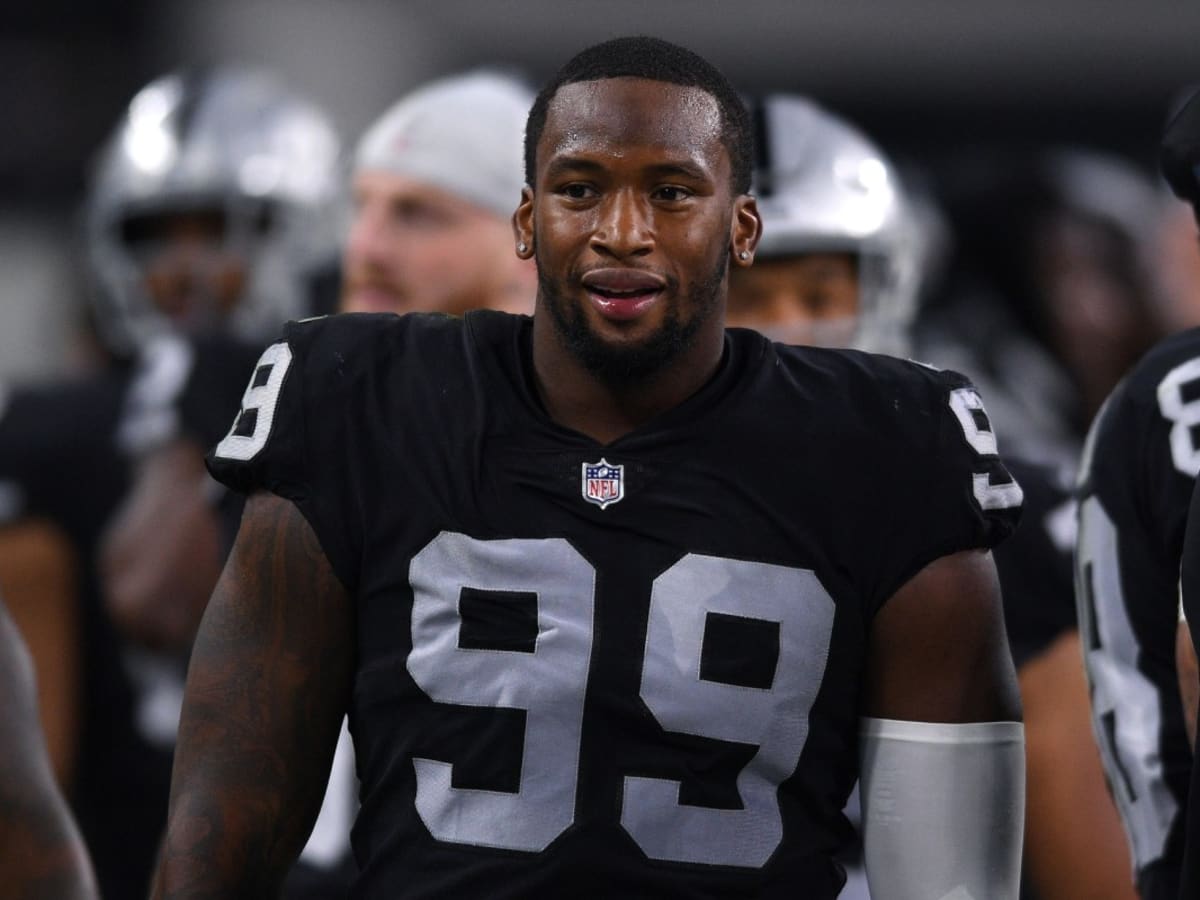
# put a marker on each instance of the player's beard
(620, 365)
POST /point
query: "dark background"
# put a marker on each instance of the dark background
(932, 81)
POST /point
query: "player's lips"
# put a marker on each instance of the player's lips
(622, 293)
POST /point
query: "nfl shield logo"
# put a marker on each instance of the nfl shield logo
(603, 483)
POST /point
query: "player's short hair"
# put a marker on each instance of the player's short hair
(656, 60)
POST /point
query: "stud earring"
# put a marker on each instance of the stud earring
(522, 247)
(745, 254)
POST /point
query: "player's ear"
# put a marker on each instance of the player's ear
(522, 223)
(745, 231)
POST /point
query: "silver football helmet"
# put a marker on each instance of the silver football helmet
(229, 139)
(823, 187)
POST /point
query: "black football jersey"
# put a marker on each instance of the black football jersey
(58, 456)
(1138, 469)
(627, 669)
(1035, 565)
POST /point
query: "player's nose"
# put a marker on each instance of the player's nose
(624, 226)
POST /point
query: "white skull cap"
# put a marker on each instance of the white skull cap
(463, 134)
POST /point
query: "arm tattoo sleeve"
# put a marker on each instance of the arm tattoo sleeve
(268, 684)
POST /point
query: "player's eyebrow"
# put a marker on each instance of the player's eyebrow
(562, 164)
(680, 168)
(673, 168)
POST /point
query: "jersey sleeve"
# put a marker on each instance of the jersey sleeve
(287, 436)
(949, 486)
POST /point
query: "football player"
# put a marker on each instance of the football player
(430, 178)
(1137, 474)
(1048, 300)
(615, 596)
(841, 257)
(41, 852)
(209, 196)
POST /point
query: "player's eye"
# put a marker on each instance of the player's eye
(671, 193)
(577, 191)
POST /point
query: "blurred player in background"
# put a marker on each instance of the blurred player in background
(843, 261)
(1147, 521)
(1049, 297)
(438, 173)
(434, 183)
(1137, 475)
(207, 201)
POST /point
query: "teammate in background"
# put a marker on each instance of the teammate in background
(845, 260)
(1048, 299)
(429, 178)
(211, 192)
(604, 634)
(425, 234)
(1137, 475)
(41, 852)
(436, 174)
(841, 258)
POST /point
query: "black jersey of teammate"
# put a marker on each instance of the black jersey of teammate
(1138, 469)
(58, 456)
(629, 669)
(1035, 565)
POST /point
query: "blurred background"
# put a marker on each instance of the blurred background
(931, 81)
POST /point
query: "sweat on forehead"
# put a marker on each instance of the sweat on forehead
(628, 111)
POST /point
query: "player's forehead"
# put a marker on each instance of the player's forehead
(612, 117)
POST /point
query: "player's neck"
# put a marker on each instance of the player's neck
(577, 399)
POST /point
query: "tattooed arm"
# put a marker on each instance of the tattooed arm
(41, 852)
(268, 684)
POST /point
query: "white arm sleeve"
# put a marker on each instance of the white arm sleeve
(943, 809)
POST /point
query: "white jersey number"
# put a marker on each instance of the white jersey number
(252, 426)
(550, 684)
(1126, 712)
(1179, 402)
(967, 406)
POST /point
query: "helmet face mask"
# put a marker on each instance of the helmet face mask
(823, 188)
(228, 154)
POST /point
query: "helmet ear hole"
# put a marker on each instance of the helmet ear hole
(238, 156)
